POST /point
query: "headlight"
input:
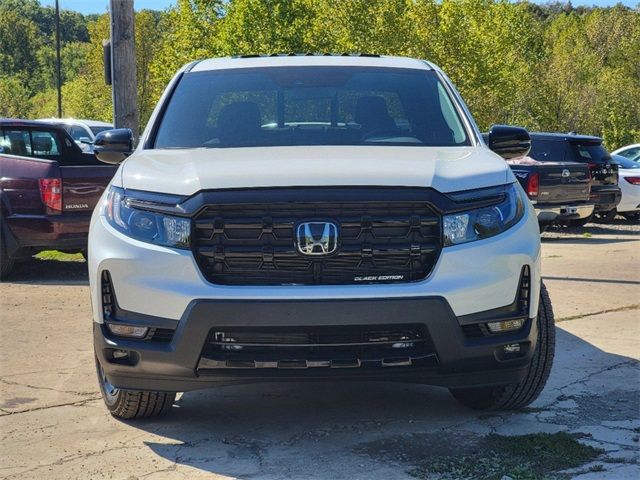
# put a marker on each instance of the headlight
(487, 221)
(144, 225)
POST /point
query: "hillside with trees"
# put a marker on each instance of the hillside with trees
(551, 67)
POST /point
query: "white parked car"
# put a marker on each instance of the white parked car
(316, 217)
(629, 182)
(82, 131)
(632, 152)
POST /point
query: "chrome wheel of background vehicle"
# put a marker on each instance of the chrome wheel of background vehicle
(519, 395)
(127, 404)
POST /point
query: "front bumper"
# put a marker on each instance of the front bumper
(548, 214)
(166, 285)
(455, 358)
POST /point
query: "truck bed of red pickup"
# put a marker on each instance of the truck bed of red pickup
(46, 206)
(45, 203)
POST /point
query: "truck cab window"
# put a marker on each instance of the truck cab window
(45, 143)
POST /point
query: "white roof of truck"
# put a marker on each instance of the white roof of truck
(355, 60)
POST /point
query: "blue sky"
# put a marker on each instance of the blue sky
(100, 6)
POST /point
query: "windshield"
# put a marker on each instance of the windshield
(632, 153)
(592, 152)
(281, 106)
(97, 130)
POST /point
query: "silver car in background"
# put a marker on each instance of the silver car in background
(82, 131)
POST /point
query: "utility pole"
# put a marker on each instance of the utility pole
(123, 66)
(58, 60)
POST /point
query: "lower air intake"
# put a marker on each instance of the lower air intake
(329, 347)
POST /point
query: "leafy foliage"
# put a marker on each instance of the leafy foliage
(550, 67)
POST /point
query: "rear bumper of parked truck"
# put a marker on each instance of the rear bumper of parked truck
(551, 213)
(27, 233)
(314, 332)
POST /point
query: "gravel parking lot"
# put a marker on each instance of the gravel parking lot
(585, 425)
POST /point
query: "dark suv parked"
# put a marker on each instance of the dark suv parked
(567, 147)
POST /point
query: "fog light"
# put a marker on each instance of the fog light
(127, 330)
(117, 354)
(511, 348)
(505, 326)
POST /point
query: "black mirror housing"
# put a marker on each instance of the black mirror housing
(508, 142)
(113, 146)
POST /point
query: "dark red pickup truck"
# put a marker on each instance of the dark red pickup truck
(48, 190)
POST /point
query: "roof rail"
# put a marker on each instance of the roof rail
(306, 54)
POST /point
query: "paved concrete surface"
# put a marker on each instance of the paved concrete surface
(53, 423)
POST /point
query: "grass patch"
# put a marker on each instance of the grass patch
(524, 457)
(587, 235)
(59, 256)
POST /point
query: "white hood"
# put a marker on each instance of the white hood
(186, 171)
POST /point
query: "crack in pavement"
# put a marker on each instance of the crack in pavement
(46, 407)
(35, 387)
(71, 458)
(633, 306)
(615, 366)
(172, 468)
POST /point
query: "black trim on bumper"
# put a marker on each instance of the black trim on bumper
(462, 361)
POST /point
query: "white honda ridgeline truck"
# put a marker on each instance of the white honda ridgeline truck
(316, 217)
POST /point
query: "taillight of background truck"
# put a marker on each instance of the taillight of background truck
(51, 194)
(533, 182)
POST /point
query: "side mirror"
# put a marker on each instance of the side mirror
(113, 146)
(508, 142)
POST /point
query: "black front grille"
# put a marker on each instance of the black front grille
(348, 346)
(379, 241)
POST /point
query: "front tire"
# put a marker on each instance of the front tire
(129, 404)
(519, 395)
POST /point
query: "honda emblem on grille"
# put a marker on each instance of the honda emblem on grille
(317, 238)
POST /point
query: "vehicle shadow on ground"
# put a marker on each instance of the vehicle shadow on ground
(320, 430)
(49, 272)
